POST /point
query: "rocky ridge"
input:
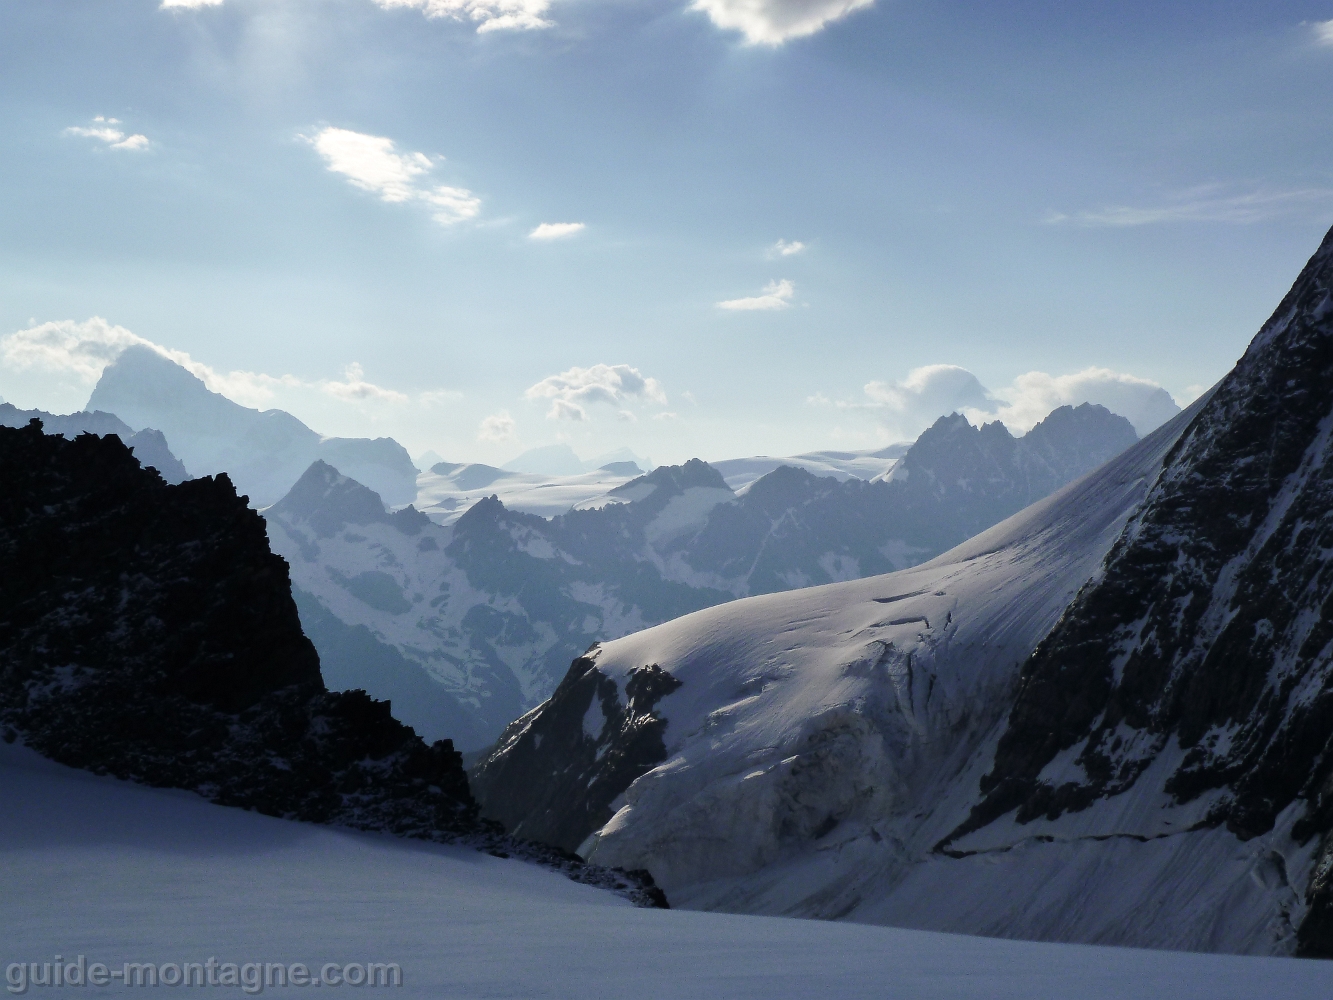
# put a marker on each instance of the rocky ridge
(148, 632)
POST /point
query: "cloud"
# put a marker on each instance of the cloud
(1323, 32)
(372, 163)
(1141, 401)
(572, 390)
(907, 407)
(188, 4)
(356, 388)
(772, 22)
(487, 15)
(1206, 203)
(556, 230)
(498, 427)
(80, 350)
(776, 295)
(105, 130)
(783, 248)
(927, 393)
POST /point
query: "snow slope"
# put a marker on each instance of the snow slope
(823, 742)
(117, 872)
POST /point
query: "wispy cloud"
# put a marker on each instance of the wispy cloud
(487, 15)
(355, 387)
(373, 163)
(80, 350)
(772, 22)
(1206, 203)
(188, 4)
(1323, 32)
(785, 248)
(107, 130)
(572, 390)
(498, 427)
(548, 231)
(776, 295)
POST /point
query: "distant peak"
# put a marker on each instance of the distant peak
(329, 501)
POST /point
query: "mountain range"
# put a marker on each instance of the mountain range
(467, 625)
(1106, 719)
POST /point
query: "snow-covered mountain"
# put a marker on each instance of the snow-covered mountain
(1106, 719)
(466, 626)
(118, 873)
(263, 452)
(149, 446)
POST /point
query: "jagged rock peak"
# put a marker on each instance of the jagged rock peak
(329, 501)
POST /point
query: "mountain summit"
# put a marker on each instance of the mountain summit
(263, 452)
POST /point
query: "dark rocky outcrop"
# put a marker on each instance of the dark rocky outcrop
(555, 772)
(149, 446)
(1211, 627)
(147, 632)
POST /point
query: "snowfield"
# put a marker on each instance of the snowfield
(121, 873)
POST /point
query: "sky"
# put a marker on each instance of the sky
(712, 228)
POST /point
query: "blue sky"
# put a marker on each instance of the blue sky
(333, 205)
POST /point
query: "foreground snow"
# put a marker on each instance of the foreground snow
(120, 873)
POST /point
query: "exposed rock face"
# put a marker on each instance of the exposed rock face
(1207, 642)
(263, 453)
(556, 770)
(148, 632)
(149, 446)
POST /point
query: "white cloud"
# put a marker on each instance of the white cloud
(80, 350)
(1206, 203)
(487, 15)
(776, 295)
(927, 393)
(1323, 32)
(907, 407)
(772, 22)
(498, 427)
(1141, 401)
(188, 4)
(105, 130)
(372, 163)
(556, 230)
(356, 388)
(784, 248)
(572, 390)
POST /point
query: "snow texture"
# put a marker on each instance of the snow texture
(165, 877)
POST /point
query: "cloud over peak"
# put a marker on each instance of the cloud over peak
(776, 295)
(373, 163)
(772, 22)
(79, 351)
(572, 390)
(908, 406)
(548, 231)
(106, 130)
